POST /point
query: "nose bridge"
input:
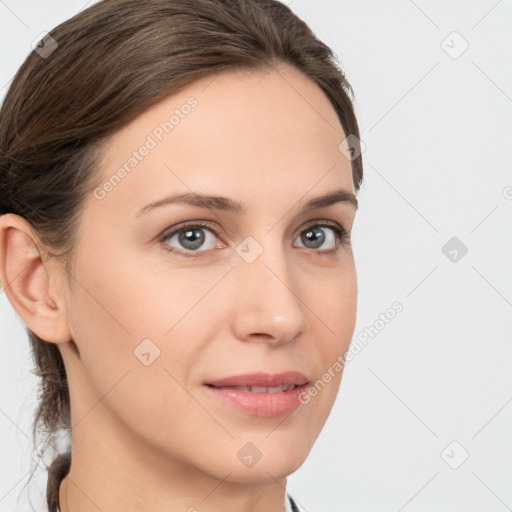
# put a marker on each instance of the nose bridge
(268, 298)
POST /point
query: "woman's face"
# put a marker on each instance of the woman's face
(157, 314)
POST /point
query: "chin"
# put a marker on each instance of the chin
(263, 473)
(273, 461)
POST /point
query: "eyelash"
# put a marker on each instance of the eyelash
(342, 236)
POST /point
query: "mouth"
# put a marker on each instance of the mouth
(257, 389)
(263, 395)
(255, 382)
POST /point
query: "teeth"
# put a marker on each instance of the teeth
(261, 389)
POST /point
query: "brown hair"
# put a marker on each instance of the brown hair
(113, 61)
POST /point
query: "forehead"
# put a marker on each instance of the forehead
(250, 135)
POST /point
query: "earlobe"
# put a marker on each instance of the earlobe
(26, 281)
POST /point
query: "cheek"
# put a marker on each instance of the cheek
(127, 366)
(110, 316)
(335, 308)
(143, 320)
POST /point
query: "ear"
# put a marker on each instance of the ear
(27, 281)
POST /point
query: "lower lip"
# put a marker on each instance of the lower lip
(264, 405)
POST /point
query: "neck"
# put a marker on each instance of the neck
(109, 472)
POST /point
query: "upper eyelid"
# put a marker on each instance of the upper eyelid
(204, 224)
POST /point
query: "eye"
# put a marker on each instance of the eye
(190, 237)
(314, 236)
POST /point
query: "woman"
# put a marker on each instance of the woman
(177, 191)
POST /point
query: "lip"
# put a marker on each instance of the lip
(261, 404)
(262, 379)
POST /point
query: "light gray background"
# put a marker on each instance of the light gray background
(437, 127)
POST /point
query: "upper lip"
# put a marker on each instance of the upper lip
(262, 379)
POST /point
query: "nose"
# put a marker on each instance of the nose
(267, 299)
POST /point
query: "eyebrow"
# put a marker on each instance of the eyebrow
(230, 205)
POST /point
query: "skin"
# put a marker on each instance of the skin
(149, 438)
